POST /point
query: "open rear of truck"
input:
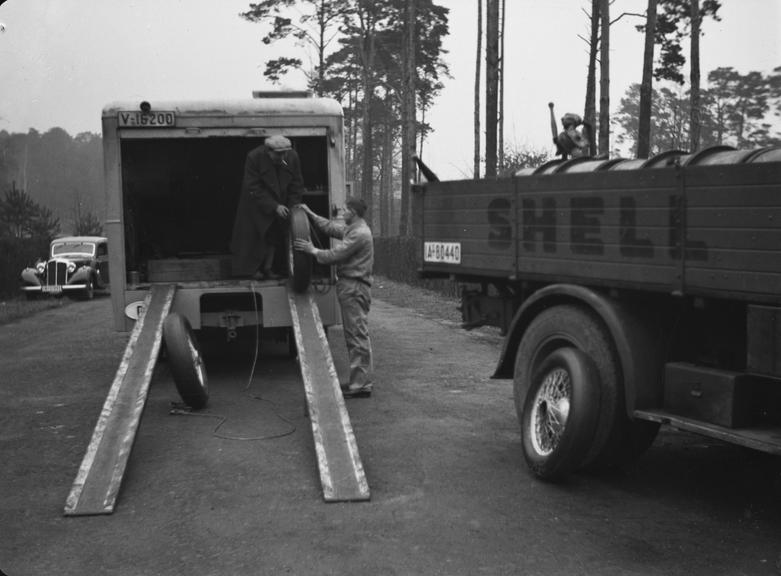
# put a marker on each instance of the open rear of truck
(173, 176)
(174, 173)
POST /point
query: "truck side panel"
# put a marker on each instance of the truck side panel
(478, 216)
(606, 227)
(708, 230)
(733, 237)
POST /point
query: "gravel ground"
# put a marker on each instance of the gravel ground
(427, 302)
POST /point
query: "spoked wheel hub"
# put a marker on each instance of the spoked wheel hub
(550, 411)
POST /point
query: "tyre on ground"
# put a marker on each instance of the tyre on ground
(616, 439)
(185, 361)
(560, 413)
(569, 326)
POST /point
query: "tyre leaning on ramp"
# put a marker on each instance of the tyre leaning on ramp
(184, 355)
(185, 361)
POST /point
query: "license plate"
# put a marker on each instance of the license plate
(446, 252)
(51, 289)
(146, 119)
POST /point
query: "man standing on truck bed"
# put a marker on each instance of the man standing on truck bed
(354, 259)
(272, 185)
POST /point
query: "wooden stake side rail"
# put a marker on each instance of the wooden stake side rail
(98, 480)
(341, 471)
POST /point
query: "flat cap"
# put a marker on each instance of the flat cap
(278, 143)
(571, 119)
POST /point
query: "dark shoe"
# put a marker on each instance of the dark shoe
(357, 390)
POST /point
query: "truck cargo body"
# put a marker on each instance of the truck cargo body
(677, 259)
(173, 177)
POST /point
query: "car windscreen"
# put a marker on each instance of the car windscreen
(86, 248)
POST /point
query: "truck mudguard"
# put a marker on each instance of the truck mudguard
(632, 336)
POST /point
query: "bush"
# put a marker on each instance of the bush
(16, 254)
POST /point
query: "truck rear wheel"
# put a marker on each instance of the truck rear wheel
(568, 326)
(185, 360)
(300, 262)
(560, 413)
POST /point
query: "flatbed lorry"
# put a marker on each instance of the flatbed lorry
(630, 292)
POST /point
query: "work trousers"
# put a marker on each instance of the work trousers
(355, 300)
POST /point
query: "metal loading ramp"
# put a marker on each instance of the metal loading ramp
(341, 470)
(98, 480)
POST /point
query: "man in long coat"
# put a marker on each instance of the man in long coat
(272, 185)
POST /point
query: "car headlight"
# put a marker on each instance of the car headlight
(40, 267)
(71, 267)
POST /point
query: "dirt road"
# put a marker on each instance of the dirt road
(235, 490)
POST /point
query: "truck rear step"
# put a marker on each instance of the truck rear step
(341, 470)
(98, 480)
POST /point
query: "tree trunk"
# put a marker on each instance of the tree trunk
(367, 148)
(604, 79)
(386, 176)
(646, 85)
(694, 108)
(320, 52)
(590, 110)
(491, 85)
(501, 87)
(478, 62)
(407, 116)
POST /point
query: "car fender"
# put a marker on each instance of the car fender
(30, 276)
(81, 275)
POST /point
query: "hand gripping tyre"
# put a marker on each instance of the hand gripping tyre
(300, 262)
(184, 357)
(560, 413)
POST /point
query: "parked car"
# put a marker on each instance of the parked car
(77, 266)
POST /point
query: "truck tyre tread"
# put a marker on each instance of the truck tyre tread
(573, 326)
(553, 451)
(300, 262)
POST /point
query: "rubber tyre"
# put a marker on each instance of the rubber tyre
(185, 361)
(300, 262)
(88, 293)
(568, 326)
(560, 414)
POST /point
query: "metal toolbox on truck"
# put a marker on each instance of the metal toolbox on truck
(716, 396)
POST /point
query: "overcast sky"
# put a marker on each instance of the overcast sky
(61, 61)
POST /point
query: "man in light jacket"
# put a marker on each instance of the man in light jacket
(354, 259)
